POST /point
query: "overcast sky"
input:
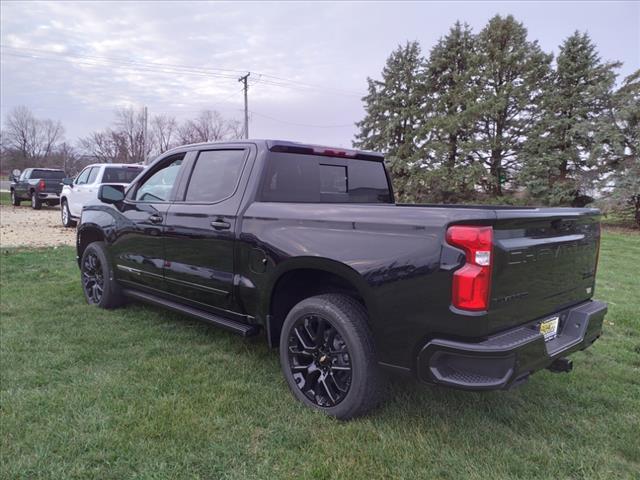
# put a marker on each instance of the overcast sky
(309, 61)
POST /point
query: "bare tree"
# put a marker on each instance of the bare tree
(130, 126)
(236, 130)
(30, 137)
(208, 126)
(126, 142)
(164, 130)
(107, 146)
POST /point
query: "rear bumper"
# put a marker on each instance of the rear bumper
(509, 357)
(48, 196)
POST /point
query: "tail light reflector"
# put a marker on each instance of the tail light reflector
(472, 282)
(42, 184)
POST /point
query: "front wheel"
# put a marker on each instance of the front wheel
(327, 356)
(14, 199)
(98, 284)
(67, 220)
(36, 203)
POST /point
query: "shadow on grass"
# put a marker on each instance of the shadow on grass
(409, 404)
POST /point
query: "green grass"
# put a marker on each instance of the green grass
(5, 198)
(142, 393)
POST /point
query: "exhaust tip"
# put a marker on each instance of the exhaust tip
(561, 365)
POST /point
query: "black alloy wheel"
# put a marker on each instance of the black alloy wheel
(319, 360)
(92, 278)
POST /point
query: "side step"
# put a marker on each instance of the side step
(231, 325)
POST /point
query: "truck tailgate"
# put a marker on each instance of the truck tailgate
(544, 260)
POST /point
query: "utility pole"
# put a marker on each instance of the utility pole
(144, 137)
(246, 104)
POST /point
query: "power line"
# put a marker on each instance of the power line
(174, 68)
(125, 61)
(144, 68)
(253, 112)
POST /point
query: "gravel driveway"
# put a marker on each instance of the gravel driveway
(24, 227)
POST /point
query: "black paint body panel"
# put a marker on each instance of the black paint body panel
(394, 255)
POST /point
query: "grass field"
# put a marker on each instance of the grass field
(142, 393)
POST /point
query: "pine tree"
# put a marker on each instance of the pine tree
(624, 170)
(512, 71)
(392, 119)
(563, 152)
(449, 116)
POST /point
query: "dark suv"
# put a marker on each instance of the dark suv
(305, 245)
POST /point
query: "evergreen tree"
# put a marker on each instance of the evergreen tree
(624, 179)
(393, 116)
(572, 136)
(449, 116)
(512, 71)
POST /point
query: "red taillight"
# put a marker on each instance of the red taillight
(42, 184)
(472, 282)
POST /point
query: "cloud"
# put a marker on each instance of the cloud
(324, 51)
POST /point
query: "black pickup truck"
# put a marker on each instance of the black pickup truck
(306, 246)
(38, 185)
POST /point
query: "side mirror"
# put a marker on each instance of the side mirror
(15, 174)
(111, 193)
(67, 181)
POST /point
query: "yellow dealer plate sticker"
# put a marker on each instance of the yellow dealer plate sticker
(549, 328)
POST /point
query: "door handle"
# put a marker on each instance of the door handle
(155, 218)
(220, 224)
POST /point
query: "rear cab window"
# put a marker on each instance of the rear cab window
(303, 178)
(48, 174)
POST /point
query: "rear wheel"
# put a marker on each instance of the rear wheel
(67, 220)
(327, 356)
(14, 199)
(36, 203)
(98, 283)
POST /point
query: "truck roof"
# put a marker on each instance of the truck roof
(116, 165)
(294, 147)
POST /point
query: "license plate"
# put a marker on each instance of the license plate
(549, 328)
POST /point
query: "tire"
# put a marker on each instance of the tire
(15, 201)
(65, 215)
(316, 335)
(96, 275)
(36, 203)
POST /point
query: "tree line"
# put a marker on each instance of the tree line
(28, 141)
(491, 117)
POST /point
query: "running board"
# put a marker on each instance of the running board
(231, 325)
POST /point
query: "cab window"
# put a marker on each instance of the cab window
(158, 186)
(215, 175)
(82, 178)
(93, 174)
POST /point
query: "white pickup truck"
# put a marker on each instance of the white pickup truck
(78, 192)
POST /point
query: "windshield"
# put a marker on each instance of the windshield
(120, 174)
(48, 174)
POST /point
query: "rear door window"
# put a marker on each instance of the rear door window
(215, 175)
